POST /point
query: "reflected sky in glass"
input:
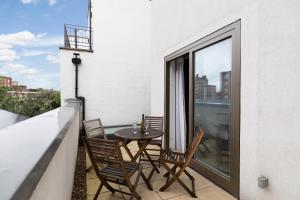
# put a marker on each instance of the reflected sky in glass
(217, 56)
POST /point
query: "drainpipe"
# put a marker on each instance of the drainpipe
(77, 61)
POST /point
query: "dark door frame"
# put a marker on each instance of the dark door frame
(231, 31)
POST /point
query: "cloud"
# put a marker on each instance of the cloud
(53, 59)
(52, 2)
(20, 38)
(8, 55)
(47, 41)
(40, 35)
(32, 53)
(28, 1)
(19, 69)
(26, 39)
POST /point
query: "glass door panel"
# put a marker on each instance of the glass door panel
(212, 104)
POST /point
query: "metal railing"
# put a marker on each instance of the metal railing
(78, 37)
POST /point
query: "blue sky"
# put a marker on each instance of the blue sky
(31, 32)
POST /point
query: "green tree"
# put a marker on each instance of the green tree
(44, 101)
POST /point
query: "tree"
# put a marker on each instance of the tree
(44, 101)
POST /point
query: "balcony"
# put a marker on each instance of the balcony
(38, 157)
(205, 190)
(77, 38)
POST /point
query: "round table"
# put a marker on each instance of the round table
(127, 134)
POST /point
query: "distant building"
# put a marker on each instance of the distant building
(203, 90)
(5, 81)
(20, 88)
(225, 84)
(15, 83)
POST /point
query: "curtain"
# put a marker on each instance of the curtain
(177, 106)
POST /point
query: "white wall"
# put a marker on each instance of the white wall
(115, 79)
(57, 180)
(270, 83)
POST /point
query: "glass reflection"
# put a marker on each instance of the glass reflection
(212, 86)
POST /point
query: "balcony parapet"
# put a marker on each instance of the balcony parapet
(78, 38)
(38, 155)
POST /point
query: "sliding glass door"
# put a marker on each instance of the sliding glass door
(213, 104)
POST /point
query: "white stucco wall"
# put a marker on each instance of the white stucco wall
(270, 84)
(115, 79)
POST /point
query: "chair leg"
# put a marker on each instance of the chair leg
(168, 173)
(160, 151)
(176, 178)
(134, 193)
(192, 179)
(106, 184)
(169, 182)
(88, 169)
(98, 191)
(173, 170)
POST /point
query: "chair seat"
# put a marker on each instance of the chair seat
(116, 172)
(172, 156)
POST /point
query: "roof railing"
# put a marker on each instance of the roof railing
(78, 37)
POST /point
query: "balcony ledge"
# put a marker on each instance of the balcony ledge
(74, 49)
(27, 148)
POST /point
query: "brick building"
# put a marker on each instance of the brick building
(5, 81)
(203, 90)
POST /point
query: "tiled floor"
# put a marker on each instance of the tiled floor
(205, 190)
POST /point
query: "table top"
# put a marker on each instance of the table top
(127, 133)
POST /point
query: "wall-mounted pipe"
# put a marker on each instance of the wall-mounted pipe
(77, 61)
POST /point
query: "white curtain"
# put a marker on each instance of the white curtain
(177, 106)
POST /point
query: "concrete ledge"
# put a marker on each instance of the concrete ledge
(31, 148)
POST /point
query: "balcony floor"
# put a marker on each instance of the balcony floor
(205, 190)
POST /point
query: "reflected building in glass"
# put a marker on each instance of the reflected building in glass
(225, 84)
(202, 89)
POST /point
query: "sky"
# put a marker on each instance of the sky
(213, 60)
(31, 33)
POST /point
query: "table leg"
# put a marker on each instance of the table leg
(141, 149)
(136, 156)
(146, 181)
(151, 161)
(128, 151)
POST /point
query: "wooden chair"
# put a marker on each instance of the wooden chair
(181, 161)
(155, 123)
(94, 128)
(107, 153)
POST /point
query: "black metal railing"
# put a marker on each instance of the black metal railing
(78, 37)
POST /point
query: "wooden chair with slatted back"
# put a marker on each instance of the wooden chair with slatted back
(154, 123)
(181, 161)
(94, 128)
(108, 163)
